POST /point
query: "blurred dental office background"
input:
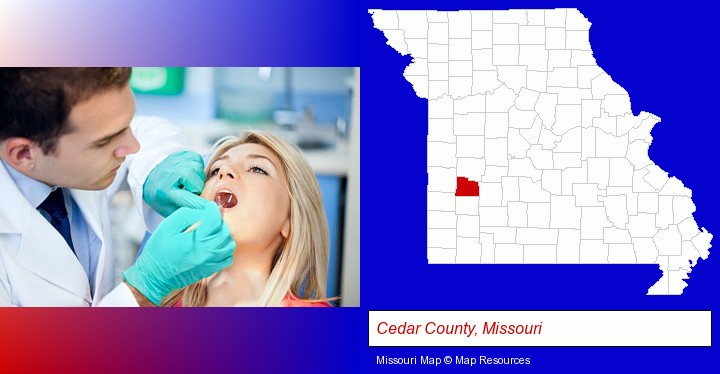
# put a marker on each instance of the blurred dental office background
(317, 109)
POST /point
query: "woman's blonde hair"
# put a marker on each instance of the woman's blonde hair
(300, 264)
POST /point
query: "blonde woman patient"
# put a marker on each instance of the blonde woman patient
(271, 202)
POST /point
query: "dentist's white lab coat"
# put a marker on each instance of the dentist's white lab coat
(37, 268)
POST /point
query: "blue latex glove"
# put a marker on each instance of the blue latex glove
(173, 258)
(175, 182)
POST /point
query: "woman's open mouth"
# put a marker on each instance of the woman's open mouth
(225, 199)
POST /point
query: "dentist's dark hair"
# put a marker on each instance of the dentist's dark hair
(35, 103)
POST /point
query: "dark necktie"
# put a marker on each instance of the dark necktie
(54, 206)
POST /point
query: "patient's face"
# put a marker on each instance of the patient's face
(251, 183)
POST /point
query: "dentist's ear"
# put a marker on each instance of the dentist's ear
(20, 153)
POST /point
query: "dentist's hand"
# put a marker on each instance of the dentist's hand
(175, 182)
(173, 259)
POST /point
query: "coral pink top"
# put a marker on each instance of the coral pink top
(290, 300)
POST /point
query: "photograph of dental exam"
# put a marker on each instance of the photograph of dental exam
(179, 187)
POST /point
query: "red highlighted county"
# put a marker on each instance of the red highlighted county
(466, 187)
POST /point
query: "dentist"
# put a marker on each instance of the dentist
(68, 142)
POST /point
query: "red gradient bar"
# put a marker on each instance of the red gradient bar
(466, 187)
(177, 340)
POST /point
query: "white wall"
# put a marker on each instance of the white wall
(350, 287)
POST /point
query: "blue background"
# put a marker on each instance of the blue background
(664, 56)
